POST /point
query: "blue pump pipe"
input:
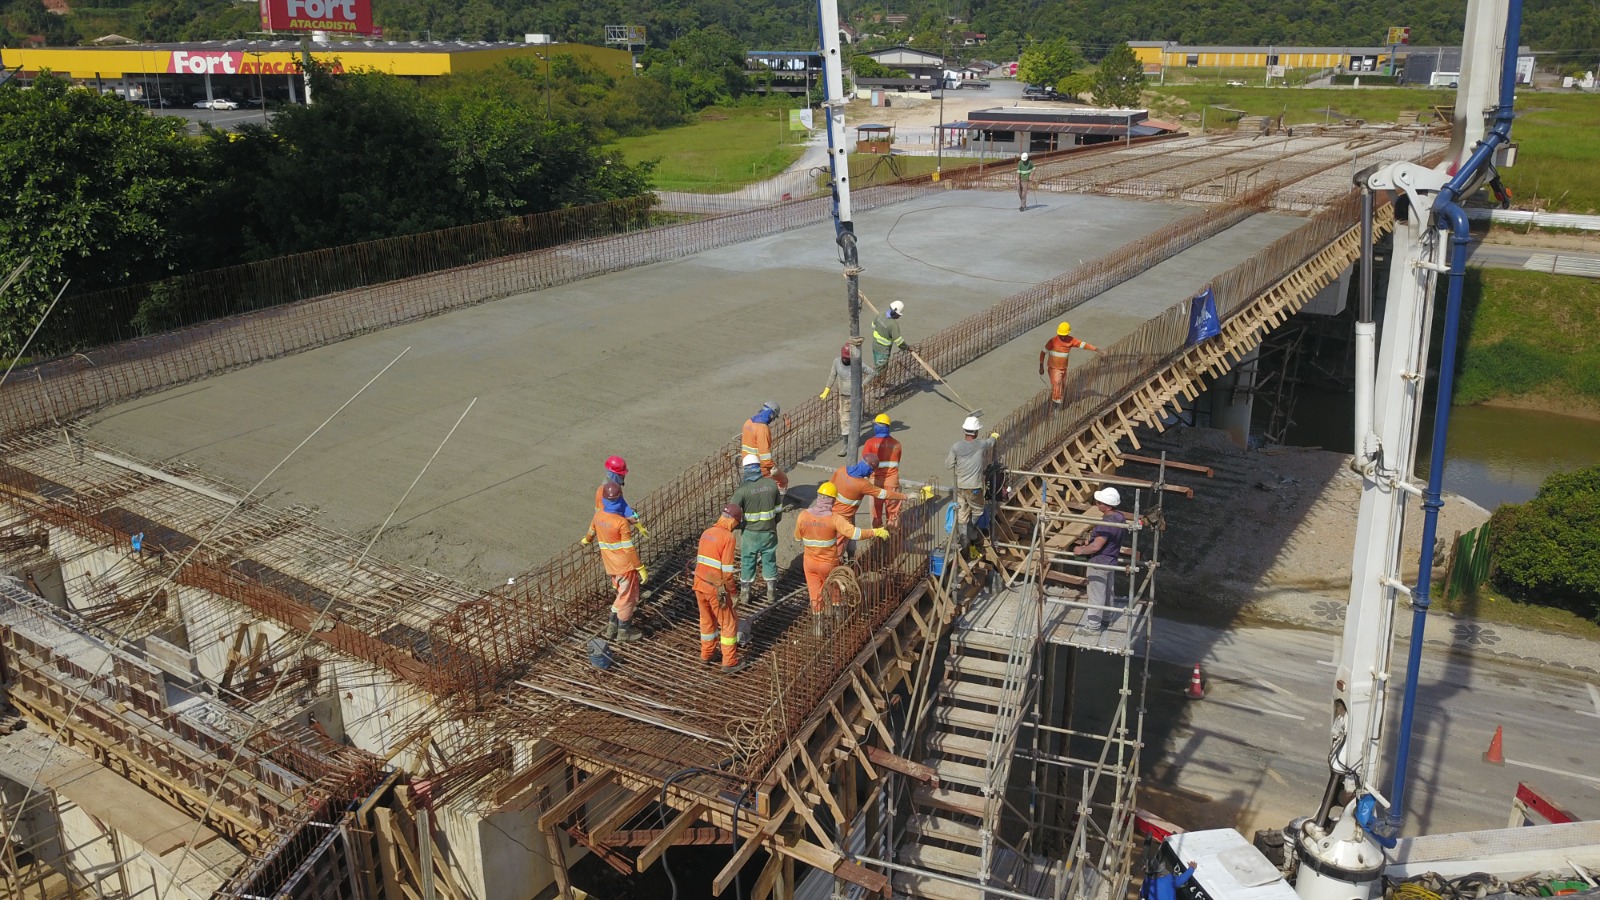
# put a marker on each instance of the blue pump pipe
(1447, 207)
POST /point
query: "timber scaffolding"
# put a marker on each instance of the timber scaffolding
(795, 748)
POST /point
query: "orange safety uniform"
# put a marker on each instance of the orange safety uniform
(1054, 356)
(851, 490)
(886, 476)
(820, 538)
(615, 537)
(716, 581)
(757, 439)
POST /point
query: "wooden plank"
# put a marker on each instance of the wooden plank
(768, 877)
(904, 766)
(803, 808)
(572, 801)
(731, 870)
(1207, 471)
(527, 777)
(653, 851)
(629, 808)
(824, 789)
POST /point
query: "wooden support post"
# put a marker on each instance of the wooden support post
(731, 870)
(620, 816)
(653, 851)
(770, 875)
(570, 804)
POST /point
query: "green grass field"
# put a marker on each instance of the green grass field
(1252, 76)
(724, 150)
(1558, 164)
(1530, 334)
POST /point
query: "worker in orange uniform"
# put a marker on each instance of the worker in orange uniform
(821, 531)
(854, 482)
(887, 473)
(716, 581)
(612, 531)
(1054, 355)
(617, 473)
(756, 440)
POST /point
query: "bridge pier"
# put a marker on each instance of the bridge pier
(1232, 399)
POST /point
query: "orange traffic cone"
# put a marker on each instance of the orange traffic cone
(1196, 689)
(1495, 755)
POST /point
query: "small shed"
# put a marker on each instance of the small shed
(874, 138)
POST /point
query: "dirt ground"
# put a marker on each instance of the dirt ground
(1272, 521)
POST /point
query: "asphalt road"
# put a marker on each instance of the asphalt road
(1538, 259)
(226, 120)
(1252, 754)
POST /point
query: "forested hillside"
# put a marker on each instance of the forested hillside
(1568, 25)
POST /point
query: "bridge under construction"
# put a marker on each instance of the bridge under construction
(261, 644)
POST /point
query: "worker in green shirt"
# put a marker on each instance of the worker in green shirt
(1024, 173)
(760, 506)
(886, 334)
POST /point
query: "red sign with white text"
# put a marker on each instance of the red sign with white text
(334, 16)
(233, 62)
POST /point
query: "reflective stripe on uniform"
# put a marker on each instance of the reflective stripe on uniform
(729, 641)
(888, 463)
(710, 637)
(823, 543)
(1056, 354)
(880, 338)
(717, 564)
(765, 516)
(619, 545)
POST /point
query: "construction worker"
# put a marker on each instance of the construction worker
(1054, 355)
(716, 580)
(757, 437)
(617, 473)
(887, 474)
(854, 482)
(839, 384)
(968, 458)
(820, 532)
(760, 506)
(611, 529)
(886, 334)
(1103, 546)
(1024, 176)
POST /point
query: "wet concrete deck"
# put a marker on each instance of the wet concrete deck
(659, 364)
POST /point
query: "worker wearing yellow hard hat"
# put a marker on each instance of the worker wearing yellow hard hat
(1054, 356)
(819, 532)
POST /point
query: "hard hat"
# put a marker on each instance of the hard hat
(971, 424)
(1024, 157)
(616, 465)
(1064, 329)
(1108, 496)
(611, 491)
(772, 405)
(882, 419)
(897, 307)
(733, 512)
(870, 459)
(844, 354)
(827, 489)
(750, 459)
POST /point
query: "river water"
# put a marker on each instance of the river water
(1493, 455)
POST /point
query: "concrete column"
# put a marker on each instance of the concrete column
(1233, 399)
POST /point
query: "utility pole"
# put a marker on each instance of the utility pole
(844, 228)
(944, 84)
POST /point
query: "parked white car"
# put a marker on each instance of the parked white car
(218, 103)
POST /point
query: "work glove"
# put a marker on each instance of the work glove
(995, 435)
(644, 575)
(880, 533)
(584, 542)
(825, 392)
(927, 492)
(643, 532)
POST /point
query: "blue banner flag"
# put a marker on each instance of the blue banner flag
(1203, 322)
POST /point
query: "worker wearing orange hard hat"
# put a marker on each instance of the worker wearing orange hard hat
(716, 581)
(820, 532)
(1054, 355)
(887, 473)
(617, 474)
(613, 532)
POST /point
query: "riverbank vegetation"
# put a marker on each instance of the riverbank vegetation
(1531, 338)
(1546, 552)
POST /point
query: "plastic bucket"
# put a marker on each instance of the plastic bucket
(936, 563)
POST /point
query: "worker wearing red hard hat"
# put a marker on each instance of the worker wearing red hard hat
(839, 386)
(820, 533)
(617, 474)
(1054, 355)
(612, 531)
(716, 581)
(887, 474)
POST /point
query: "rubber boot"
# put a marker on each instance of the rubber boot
(744, 594)
(626, 633)
(772, 593)
(736, 669)
(611, 627)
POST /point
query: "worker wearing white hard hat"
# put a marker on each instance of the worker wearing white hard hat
(1103, 547)
(886, 334)
(760, 503)
(1024, 176)
(967, 459)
